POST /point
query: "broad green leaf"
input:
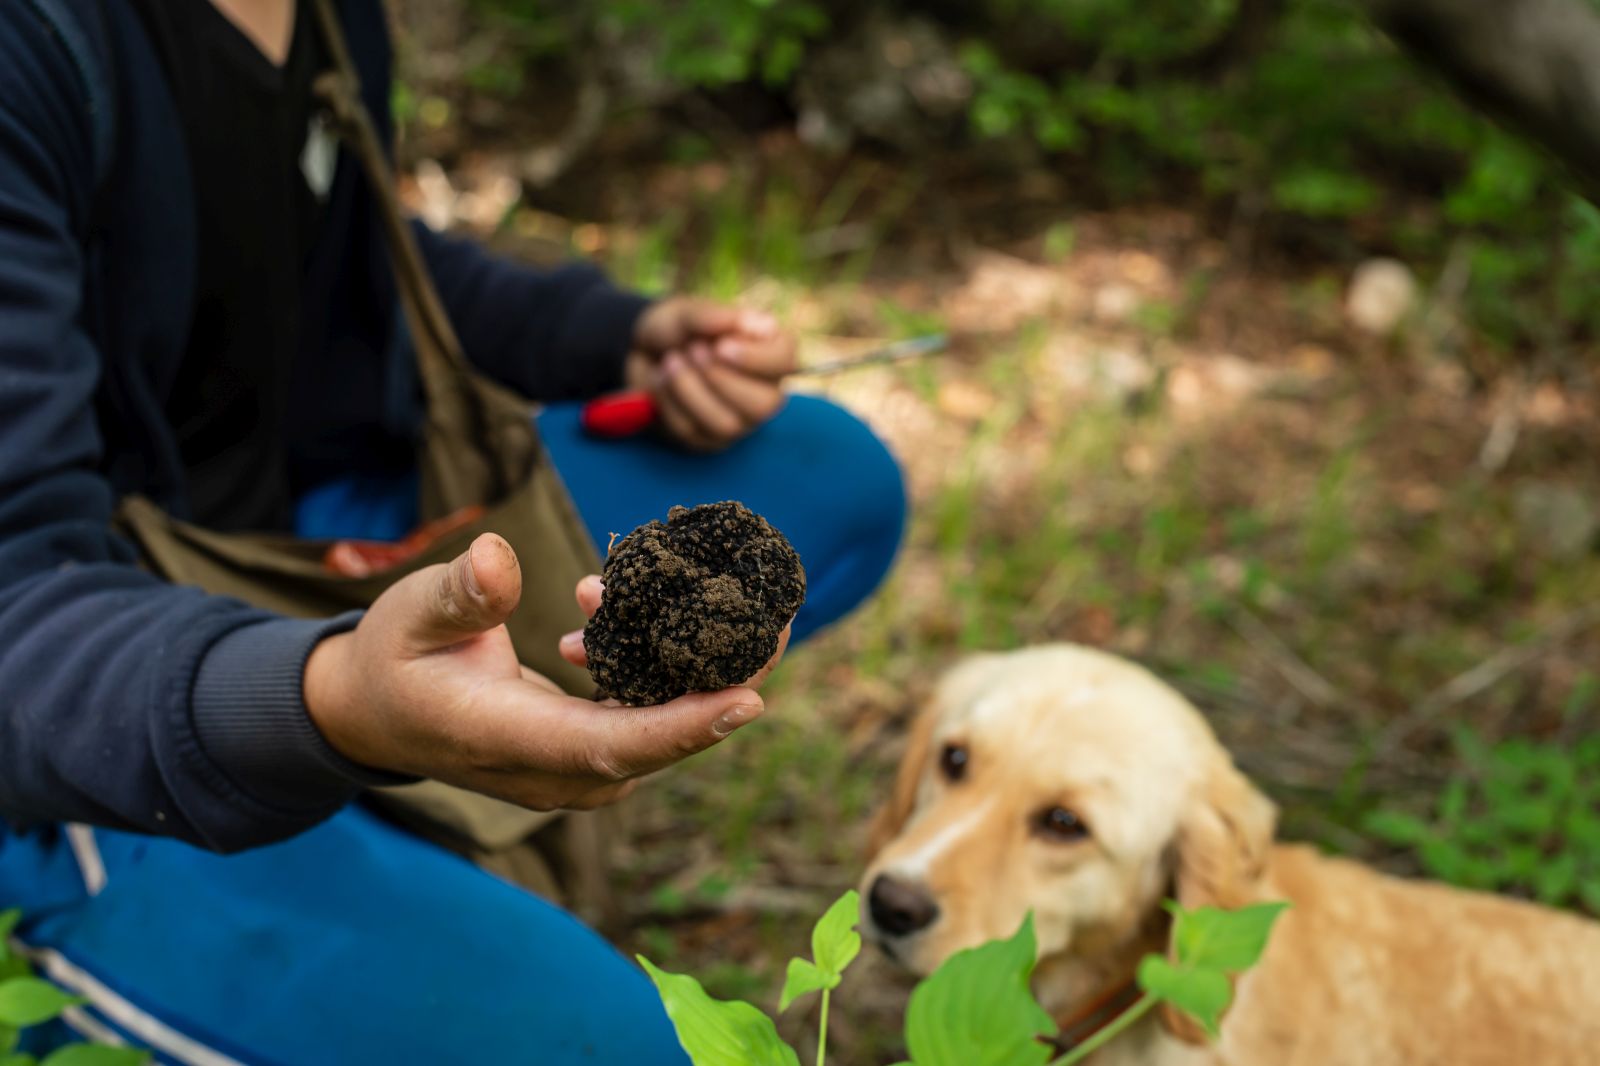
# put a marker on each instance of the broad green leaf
(96, 1055)
(1223, 940)
(8, 922)
(977, 1008)
(15, 966)
(19, 1060)
(714, 1032)
(8, 1039)
(26, 1001)
(1201, 993)
(835, 942)
(803, 979)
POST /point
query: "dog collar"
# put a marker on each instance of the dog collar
(1094, 1016)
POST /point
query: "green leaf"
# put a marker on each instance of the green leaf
(1216, 939)
(26, 1001)
(714, 1032)
(977, 1008)
(1589, 893)
(11, 964)
(1555, 881)
(1199, 992)
(97, 1055)
(803, 979)
(835, 942)
(19, 1060)
(8, 1039)
(1396, 827)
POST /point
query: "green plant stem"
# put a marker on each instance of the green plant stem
(822, 1036)
(1109, 1033)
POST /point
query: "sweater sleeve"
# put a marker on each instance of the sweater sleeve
(557, 334)
(124, 701)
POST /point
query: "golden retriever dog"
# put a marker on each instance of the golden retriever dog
(1074, 785)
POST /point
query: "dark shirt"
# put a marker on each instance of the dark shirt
(247, 123)
(126, 701)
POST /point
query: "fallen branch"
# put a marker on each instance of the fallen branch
(1291, 667)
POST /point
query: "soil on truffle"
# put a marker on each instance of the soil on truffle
(694, 604)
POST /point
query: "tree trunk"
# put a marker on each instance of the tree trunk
(1533, 63)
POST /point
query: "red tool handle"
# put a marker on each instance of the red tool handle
(621, 414)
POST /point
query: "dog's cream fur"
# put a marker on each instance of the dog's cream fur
(1362, 970)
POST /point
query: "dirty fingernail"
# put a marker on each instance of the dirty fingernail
(735, 717)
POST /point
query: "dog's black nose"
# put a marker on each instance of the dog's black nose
(900, 909)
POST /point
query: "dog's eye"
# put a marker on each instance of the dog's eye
(953, 762)
(1061, 825)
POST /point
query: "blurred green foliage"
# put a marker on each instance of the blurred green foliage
(1288, 111)
(1318, 118)
(1521, 816)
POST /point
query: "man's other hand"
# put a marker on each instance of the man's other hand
(715, 371)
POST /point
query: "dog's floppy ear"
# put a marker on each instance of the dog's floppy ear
(892, 818)
(1223, 841)
(1223, 844)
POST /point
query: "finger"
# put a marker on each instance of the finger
(590, 589)
(472, 594)
(706, 318)
(672, 323)
(714, 418)
(754, 399)
(699, 353)
(772, 357)
(680, 427)
(625, 742)
(572, 649)
(759, 324)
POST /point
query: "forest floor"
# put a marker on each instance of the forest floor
(1145, 438)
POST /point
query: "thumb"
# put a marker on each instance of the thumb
(634, 741)
(704, 318)
(472, 594)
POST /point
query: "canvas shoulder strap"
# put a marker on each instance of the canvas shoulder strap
(480, 442)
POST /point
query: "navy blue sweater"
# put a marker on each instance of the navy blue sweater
(126, 701)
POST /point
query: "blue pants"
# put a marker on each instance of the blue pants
(356, 943)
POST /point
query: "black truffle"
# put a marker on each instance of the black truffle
(693, 605)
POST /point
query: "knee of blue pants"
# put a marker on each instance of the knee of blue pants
(816, 472)
(351, 943)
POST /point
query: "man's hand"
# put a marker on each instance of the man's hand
(428, 684)
(716, 371)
